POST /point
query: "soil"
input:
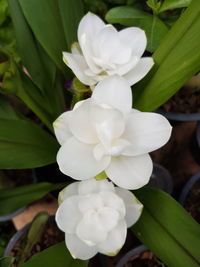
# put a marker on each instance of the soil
(145, 259)
(192, 204)
(183, 103)
(50, 236)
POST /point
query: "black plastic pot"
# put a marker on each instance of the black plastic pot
(186, 189)
(195, 144)
(11, 215)
(197, 150)
(18, 235)
(17, 212)
(198, 136)
(14, 240)
(161, 179)
(179, 116)
(135, 251)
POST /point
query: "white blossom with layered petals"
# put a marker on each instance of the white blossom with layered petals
(103, 133)
(94, 216)
(103, 51)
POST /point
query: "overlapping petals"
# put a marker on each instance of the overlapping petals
(94, 216)
(103, 51)
(103, 133)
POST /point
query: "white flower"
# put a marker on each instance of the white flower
(104, 51)
(94, 216)
(103, 133)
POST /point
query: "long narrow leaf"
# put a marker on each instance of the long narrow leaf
(167, 229)
(24, 145)
(56, 255)
(71, 13)
(154, 28)
(6, 261)
(14, 198)
(6, 110)
(176, 60)
(27, 45)
(44, 20)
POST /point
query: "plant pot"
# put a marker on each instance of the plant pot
(195, 144)
(161, 179)
(179, 117)
(190, 196)
(17, 212)
(137, 254)
(21, 234)
(198, 135)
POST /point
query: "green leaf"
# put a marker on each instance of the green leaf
(170, 4)
(14, 198)
(154, 5)
(129, 16)
(45, 22)
(167, 229)
(176, 60)
(34, 234)
(24, 145)
(3, 10)
(27, 46)
(71, 13)
(6, 110)
(6, 261)
(51, 257)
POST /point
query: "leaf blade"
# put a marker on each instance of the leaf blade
(15, 198)
(28, 147)
(47, 29)
(71, 13)
(51, 256)
(154, 28)
(169, 227)
(176, 60)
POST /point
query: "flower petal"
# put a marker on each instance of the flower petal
(80, 123)
(110, 199)
(123, 69)
(76, 160)
(78, 248)
(115, 92)
(135, 38)
(89, 27)
(91, 186)
(115, 240)
(139, 71)
(88, 202)
(61, 127)
(108, 218)
(90, 229)
(146, 132)
(130, 172)
(108, 46)
(110, 124)
(78, 65)
(68, 191)
(132, 204)
(68, 215)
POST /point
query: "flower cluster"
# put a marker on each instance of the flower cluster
(103, 134)
(94, 216)
(103, 51)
